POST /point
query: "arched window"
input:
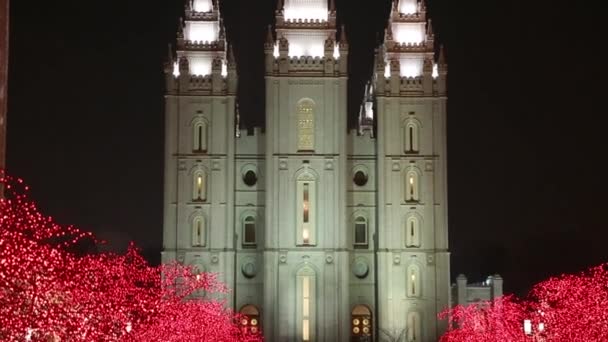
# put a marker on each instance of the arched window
(414, 327)
(200, 137)
(306, 205)
(412, 187)
(412, 232)
(306, 125)
(306, 305)
(361, 322)
(249, 231)
(412, 137)
(199, 233)
(199, 186)
(250, 322)
(360, 232)
(414, 282)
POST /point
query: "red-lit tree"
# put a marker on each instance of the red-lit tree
(566, 308)
(49, 291)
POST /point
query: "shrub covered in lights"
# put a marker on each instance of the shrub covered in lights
(50, 291)
(570, 308)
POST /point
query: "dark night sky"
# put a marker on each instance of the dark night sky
(527, 177)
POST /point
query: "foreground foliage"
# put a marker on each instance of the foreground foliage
(51, 291)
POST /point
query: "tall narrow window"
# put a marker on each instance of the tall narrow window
(360, 232)
(198, 232)
(412, 187)
(306, 210)
(199, 187)
(306, 304)
(306, 125)
(413, 281)
(412, 138)
(414, 327)
(412, 232)
(249, 231)
(200, 137)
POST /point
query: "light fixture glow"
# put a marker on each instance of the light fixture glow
(409, 33)
(527, 327)
(200, 66)
(411, 67)
(408, 6)
(337, 51)
(387, 69)
(276, 50)
(176, 69)
(202, 6)
(224, 68)
(435, 70)
(202, 31)
(369, 110)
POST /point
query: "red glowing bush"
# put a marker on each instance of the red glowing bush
(569, 308)
(49, 291)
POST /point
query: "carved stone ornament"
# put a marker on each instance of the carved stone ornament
(329, 165)
(283, 258)
(181, 165)
(396, 259)
(396, 166)
(430, 260)
(360, 268)
(181, 256)
(215, 258)
(428, 166)
(249, 269)
(283, 164)
(216, 165)
(329, 259)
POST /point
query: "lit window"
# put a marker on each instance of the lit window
(249, 231)
(199, 187)
(306, 210)
(413, 281)
(200, 137)
(360, 231)
(306, 125)
(412, 232)
(306, 303)
(414, 327)
(198, 232)
(411, 187)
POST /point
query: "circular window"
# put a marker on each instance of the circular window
(360, 178)
(250, 178)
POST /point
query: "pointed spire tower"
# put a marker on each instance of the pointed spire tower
(200, 124)
(410, 94)
(306, 31)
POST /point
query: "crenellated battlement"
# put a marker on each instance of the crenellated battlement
(202, 16)
(306, 24)
(251, 142)
(183, 44)
(396, 47)
(361, 144)
(408, 18)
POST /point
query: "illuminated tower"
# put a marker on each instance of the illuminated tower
(413, 257)
(306, 258)
(200, 115)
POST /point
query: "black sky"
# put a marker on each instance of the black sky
(527, 119)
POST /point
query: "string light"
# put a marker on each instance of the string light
(565, 308)
(51, 289)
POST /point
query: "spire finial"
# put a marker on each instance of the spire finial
(269, 37)
(230, 55)
(343, 39)
(429, 29)
(169, 53)
(279, 5)
(332, 5)
(442, 60)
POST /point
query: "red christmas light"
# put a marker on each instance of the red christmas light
(569, 308)
(49, 292)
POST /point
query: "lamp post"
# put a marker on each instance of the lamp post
(534, 334)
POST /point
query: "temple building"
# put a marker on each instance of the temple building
(322, 233)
